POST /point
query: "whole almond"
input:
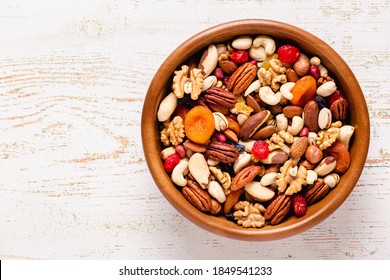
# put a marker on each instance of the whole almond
(228, 66)
(291, 75)
(298, 148)
(292, 111)
(310, 116)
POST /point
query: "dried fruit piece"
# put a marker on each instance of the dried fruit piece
(171, 162)
(199, 124)
(260, 149)
(299, 205)
(303, 91)
(239, 57)
(288, 54)
(334, 96)
(341, 153)
(231, 199)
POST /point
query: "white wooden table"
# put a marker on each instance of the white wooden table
(73, 180)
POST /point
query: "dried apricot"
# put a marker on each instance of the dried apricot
(341, 153)
(199, 124)
(304, 90)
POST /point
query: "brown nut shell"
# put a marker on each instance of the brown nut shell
(278, 209)
(244, 177)
(310, 116)
(197, 196)
(316, 191)
(242, 78)
(252, 124)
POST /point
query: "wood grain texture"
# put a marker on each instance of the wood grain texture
(73, 180)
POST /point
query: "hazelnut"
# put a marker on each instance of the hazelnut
(313, 154)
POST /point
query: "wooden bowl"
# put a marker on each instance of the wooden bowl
(308, 44)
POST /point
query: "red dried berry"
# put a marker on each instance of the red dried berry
(260, 149)
(299, 205)
(171, 162)
(333, 97)
(288, 54)
(239, 57)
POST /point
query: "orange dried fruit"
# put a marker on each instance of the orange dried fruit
(304, 90)
(341, 153)
(231, 199)
(199, 124)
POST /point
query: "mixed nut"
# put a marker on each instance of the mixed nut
(254, 130)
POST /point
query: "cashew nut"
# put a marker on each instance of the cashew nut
(268, 96)
(253, 87)
(296, 125)
(167, 107)
(285, 89)
(281, 122)
(178, 173)
(261, 46)
(241, 162)
(345, 134)
(247, 144)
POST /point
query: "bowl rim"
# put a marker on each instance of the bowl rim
(222, 32)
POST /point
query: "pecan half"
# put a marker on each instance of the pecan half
(219, 99)
(244, 177)
(339, 109)
(278, 209)
(197, 196)
(242, 78)
(316, 191)
(222, 152)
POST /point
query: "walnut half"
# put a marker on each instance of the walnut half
(249, 215)
(188, 81)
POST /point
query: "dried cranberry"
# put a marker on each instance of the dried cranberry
(288, 54)
(171, 162)
(260, 149)
(334, 96)
(239, 57)
(299, 204)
